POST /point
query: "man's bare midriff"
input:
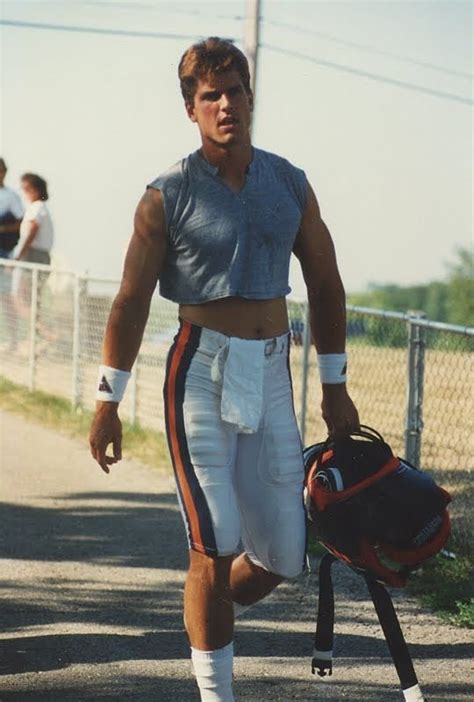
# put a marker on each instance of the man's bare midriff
(237, 316)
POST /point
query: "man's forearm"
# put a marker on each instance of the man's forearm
(10, 227)
(327, 311)
(124, 332)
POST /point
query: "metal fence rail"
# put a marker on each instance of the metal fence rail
(409, 377)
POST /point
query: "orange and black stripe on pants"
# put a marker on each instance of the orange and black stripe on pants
(193, 501)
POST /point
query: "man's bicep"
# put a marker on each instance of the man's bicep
(313, 244)
(147, 249)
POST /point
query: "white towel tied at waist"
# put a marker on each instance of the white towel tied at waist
(240, 366)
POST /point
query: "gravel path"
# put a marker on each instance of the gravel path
(92, 570)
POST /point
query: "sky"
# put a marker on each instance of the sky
(372, 99)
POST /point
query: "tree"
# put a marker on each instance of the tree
(460, 303)
(450, 300)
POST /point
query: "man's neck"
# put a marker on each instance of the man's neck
(231, 161)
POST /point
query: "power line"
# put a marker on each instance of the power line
(120, 5)
(148, 7)
(270, 47)
(364, 47)
(367, 74)
(99, 30)
(287, 25)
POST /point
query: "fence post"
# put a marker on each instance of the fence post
(416, 371)
(33, 328)
(76, 398)
(304, 372)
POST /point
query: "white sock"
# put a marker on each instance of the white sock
(413, 694)
(213, 671)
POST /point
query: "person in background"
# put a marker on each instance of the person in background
(36, 230)
(34, 246)
(11, 214)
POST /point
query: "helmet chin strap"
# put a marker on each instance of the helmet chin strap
(324, 636)
(380, 516)
(393, 635)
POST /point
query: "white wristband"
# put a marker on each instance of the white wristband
(111, 384)
(332, 368)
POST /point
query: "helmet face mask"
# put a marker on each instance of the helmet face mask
(372, 510)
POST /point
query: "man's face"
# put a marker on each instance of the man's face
(3, 173)
(222, 109)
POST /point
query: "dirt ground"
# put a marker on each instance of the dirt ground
(92, 571)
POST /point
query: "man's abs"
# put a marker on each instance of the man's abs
(237, 316)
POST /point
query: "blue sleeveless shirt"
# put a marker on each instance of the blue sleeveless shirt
(222, 243)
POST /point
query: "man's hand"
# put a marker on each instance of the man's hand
(106, 429)
(339, 412)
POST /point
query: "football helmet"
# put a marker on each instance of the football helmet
(371, 509)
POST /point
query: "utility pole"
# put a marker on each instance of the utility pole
(252, 29)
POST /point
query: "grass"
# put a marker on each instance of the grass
(443, 584)
(144, 445)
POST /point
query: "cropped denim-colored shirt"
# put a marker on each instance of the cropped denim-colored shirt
(222, 243)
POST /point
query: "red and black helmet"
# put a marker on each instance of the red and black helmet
(372, 510)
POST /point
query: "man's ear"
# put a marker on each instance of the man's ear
(190, 111)
(250, 94)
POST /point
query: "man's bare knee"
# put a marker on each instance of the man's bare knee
(214, 571)
(208, 607)
(250, 582)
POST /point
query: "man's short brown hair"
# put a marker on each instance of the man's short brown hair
(208, 57)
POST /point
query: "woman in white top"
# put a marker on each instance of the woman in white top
(36, 230)
(34, 246)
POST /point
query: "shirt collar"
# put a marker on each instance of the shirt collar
(214, 170)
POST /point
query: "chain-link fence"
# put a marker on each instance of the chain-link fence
(410, 378)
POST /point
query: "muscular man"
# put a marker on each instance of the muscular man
(217, 231)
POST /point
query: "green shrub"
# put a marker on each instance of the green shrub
(445, 585)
